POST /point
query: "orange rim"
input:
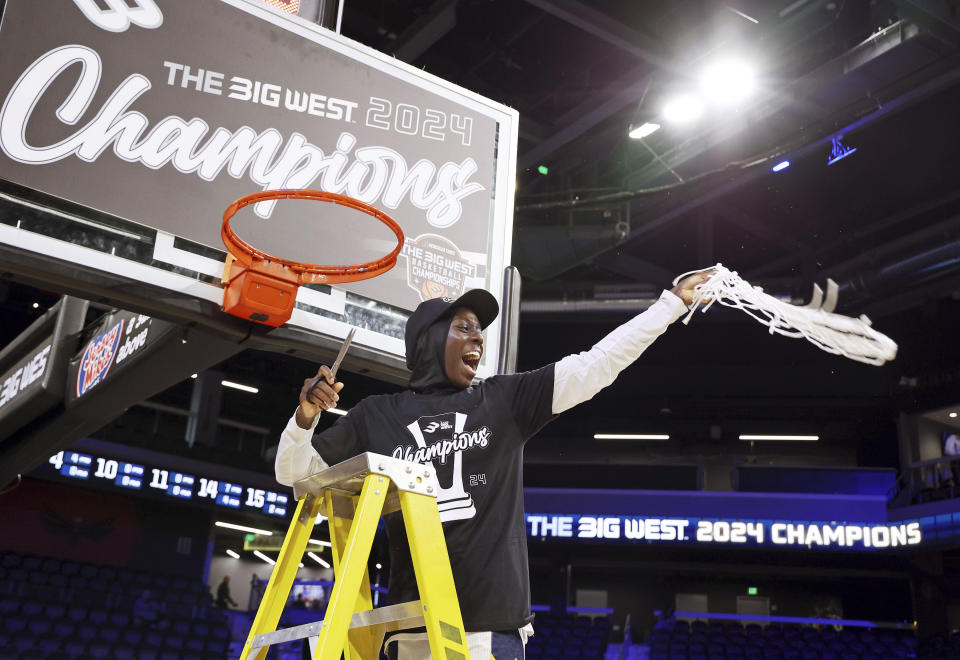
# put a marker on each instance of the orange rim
(310, 273)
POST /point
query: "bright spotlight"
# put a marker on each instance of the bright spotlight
(642, 131)
(686, 108)
(727, 82)
(779, 167)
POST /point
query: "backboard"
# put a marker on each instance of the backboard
(127, 128)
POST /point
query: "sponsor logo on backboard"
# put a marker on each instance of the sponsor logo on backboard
(435, 267)
(98, 358)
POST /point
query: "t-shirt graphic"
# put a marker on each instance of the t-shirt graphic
(440, 439)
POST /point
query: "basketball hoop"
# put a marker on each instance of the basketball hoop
(263, 287)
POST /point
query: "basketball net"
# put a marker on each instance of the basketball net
(815, 322)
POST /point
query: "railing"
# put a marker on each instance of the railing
(164, 427)
(809, 621)
(934, 479)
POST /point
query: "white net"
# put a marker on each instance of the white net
(816, 322)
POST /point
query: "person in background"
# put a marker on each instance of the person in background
(951, 449)
(473, 434)
(223, 594)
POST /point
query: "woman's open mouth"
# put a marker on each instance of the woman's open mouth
(472, 360)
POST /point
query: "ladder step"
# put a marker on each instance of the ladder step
(395, 617)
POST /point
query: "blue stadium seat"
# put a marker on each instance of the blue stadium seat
(38, 577)
(195, 644)
(100, 650)
(124, 652)
(110, 634)
(32, 654)
(31, 608)
(86, 631)
(203, 629)
(215, 646)
(132, 636)
(74, 647)
(31, 562)
(39, 626)
(148, 653)
(58, 581)
(153, 639)
(69, 568)
(98, 617)
(64, 628)
(8, 605)
(15, 624)
(48, 644)
(119, 619)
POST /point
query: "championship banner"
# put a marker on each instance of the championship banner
(162, 113)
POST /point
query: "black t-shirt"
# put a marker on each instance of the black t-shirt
(474, 439)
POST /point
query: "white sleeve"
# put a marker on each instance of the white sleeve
(577, 378)
(296, 457)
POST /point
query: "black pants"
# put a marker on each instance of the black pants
(504, 645)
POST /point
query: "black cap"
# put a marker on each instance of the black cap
(480, 302)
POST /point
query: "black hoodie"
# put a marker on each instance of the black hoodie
(474, 438)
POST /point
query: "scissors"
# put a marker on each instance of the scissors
(336, 363)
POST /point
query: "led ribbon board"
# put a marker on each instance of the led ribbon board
(812, 535)
(161, 481)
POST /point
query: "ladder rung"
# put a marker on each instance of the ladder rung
(395, 617)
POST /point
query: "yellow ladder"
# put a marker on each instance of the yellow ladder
(353, 494)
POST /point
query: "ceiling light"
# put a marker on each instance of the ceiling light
(631, 436)
(727, 82)
(244, 528)
(238, 386)
(779, 167)
(379, 566)
(233, 554)
(784, 438)
(36, 305)
(324, 543)
(644, 130)
(264, 557)
(682, 109)
(193, 375)
(319, 560)
(952, 415)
